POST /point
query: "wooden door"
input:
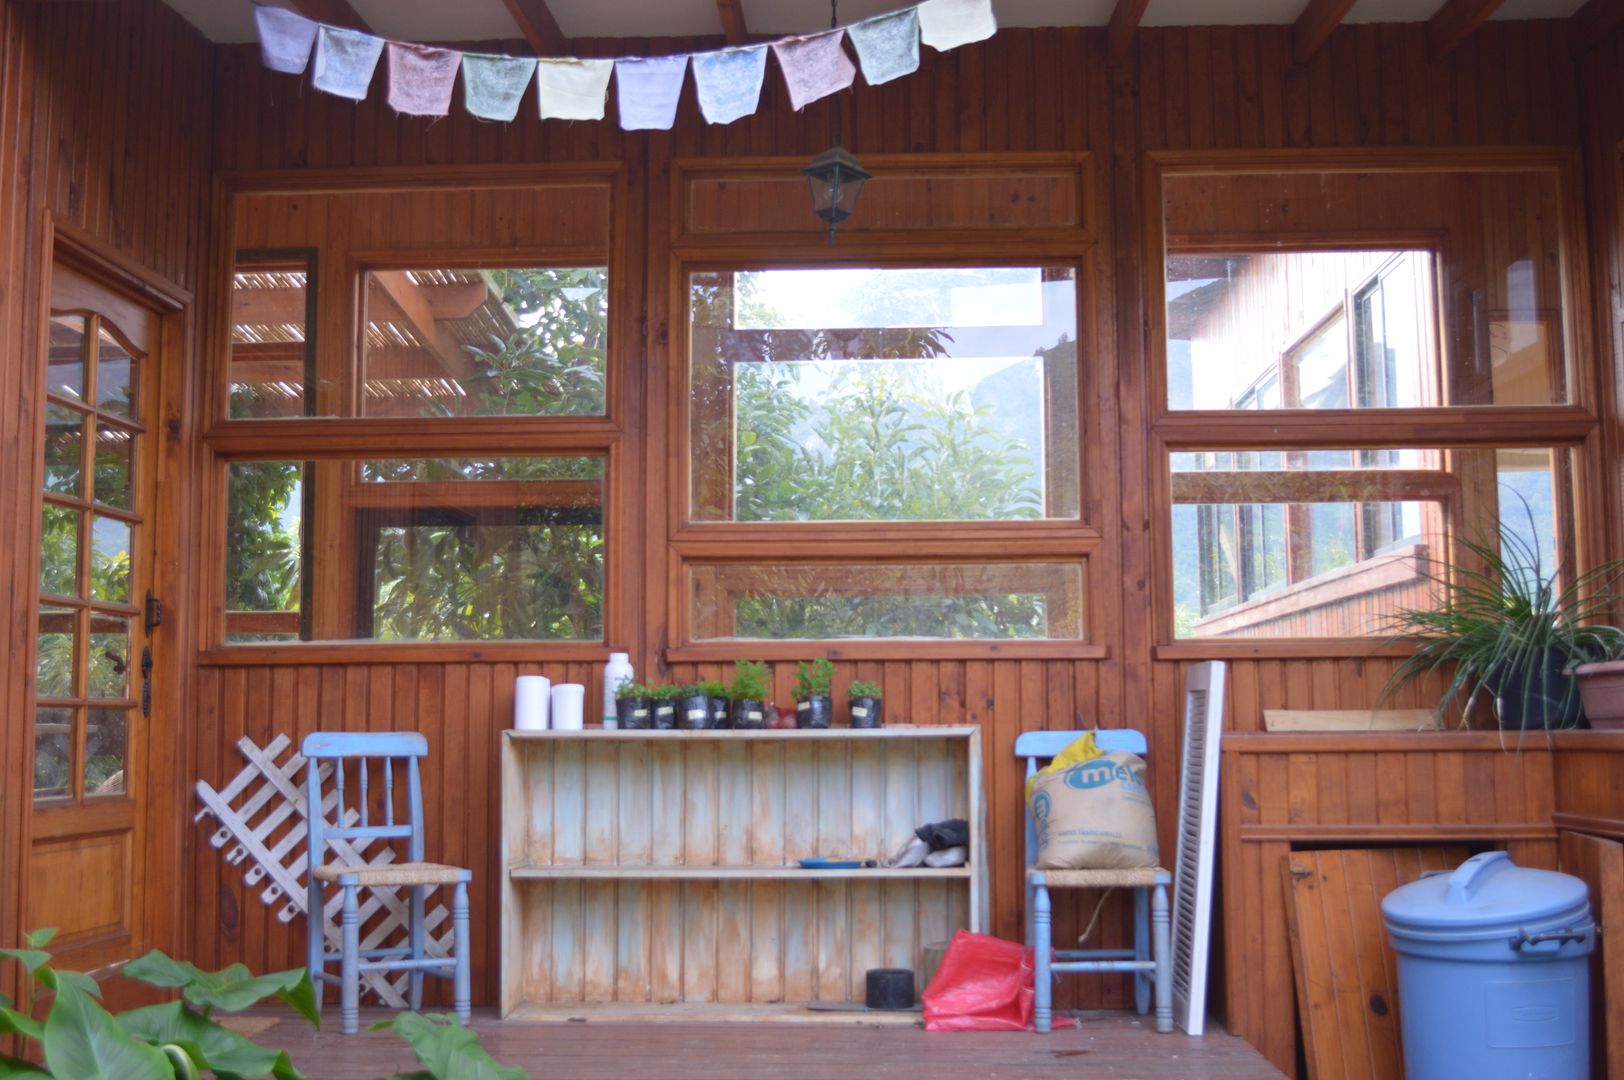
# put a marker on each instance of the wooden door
(1600, 862)
(93, 647)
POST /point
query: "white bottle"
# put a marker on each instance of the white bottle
(616, 671)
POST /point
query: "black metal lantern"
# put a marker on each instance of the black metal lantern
(835, 179)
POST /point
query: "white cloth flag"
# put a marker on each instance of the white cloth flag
(345, 61)
(493, 86)
(573, 89)
(947, 24)
(647, 91)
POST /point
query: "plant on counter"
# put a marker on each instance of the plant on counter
(867, 706)
(633, 708)
(717, 692)
(694, 707)
(749, 693)
(663, 699)
(814, 708)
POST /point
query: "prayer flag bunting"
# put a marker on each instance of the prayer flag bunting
(729, 82)
(647, 90)
(493, 86)
(421, 78)
(573, 89)
(345, 61)
(947, 24)
(814, 66)
(887, 45)
(285, 38)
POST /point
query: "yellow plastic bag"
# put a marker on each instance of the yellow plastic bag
(1080, 749)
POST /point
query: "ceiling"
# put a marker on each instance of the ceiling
(488, 20)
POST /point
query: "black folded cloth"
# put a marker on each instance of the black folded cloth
(945, 834)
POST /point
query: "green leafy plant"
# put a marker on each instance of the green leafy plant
(447, 1050)
(711, 688)
(750, 681)
(814, 678)
(863, 689)
(628, 690)
(664, 693)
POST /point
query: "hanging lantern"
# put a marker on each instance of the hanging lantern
(835, 179)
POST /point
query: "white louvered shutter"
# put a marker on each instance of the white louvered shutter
(1198, 822)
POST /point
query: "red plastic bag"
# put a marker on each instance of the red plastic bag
(984, 984)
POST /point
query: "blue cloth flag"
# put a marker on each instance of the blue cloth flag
(887, 45)
(345, 61)
(493, 86)
(647, 91)
(285, 38)
(729, 82)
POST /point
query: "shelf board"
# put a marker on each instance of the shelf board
(620, 1012)
(896, 731)
(531, 872)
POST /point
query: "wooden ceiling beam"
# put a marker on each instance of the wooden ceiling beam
(333, 13)
(1315, 26)
(732, 14)
(408, 298)
(1454, 23)
(1593, 24)
(539, 28)
(1124, 24)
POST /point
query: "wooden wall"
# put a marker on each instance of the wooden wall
(105, 124)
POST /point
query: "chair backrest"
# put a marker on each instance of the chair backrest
(340, 815)
(1040, 747)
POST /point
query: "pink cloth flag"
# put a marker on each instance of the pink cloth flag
(647, 91)
(285, 38)
(572, 89)
(814, 66)
(947, 24)
(345, 61)
(421, 78)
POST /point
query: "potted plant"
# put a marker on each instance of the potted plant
(814, 708)
(1511, 634)
(716, 691)
(663, 703)
(1601, 689)
(749, 694)
(694, 708)
(632, 706)
(867, 706)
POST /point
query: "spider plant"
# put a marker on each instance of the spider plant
(1506, 632)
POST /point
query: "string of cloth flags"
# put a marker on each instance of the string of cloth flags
(422, 78)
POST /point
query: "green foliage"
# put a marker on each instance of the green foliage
(83, 1042)
(447, 1049)
(750, 681)
(664, 693)
(814, 678)
(632, 691)
(863, 689)
(711, 688)
(231, 990)
(553, 367)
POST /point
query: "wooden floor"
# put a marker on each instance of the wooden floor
(1115, 1044)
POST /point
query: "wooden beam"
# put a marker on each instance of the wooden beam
(1593, 24)
(1454, 23)
(416, 310)
(333, 13)
(1315, 25)
(732, 13)
(1124, 24)
(540, 29)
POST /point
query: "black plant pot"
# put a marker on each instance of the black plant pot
(817, 711)
(634, 713)
(1538, 695)
(867, 712)
(748, 715)
(665, 715)
(694, 712)
(719, 713)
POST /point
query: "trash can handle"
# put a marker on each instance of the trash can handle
(1469, 875)
(1525, 939)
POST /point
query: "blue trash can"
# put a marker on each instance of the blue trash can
(1493, 972)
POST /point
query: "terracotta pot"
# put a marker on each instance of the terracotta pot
(1601, 686)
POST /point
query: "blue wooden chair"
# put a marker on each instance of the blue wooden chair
(385, 749)
(1150, 959)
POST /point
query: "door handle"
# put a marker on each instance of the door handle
(146, 680)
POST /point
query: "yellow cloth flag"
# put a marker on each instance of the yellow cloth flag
(1078, 751)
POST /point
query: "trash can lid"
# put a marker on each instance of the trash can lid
(1487, 892)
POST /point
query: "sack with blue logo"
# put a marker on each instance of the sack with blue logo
(1094, 813)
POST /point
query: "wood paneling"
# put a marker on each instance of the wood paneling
(1600, 863)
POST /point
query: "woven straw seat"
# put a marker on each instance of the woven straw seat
(418, 873)
(1103, 879)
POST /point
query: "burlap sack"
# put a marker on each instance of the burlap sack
(1095, 815)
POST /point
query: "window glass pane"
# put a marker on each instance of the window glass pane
(54, 666)
(884, 394)
(110, 656)
(106, 751)
(118, 376)
(65, 358)
(270, 358)
(64, 450)
(53, 753)
(994, 601)
(110, 560)
(59, 550)
(115, 465)
(505, 342)
(443, 549)
(1317, 369)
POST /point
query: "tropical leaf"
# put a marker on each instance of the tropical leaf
(82, 1042)
(209, 1045)
(231, 989)
(31, 959)
(17, 1069)
(53, 979)
(15, 1023)
(40, 938)
(449, 1050)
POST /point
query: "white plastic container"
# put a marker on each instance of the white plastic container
(530, 702)
(569, 706)
(615, 671)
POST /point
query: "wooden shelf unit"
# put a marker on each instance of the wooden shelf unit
(655, 871)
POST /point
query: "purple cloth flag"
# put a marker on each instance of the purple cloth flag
(947, 24)
(572, 89)
(729, 82)
(421, 78)
(887, 45)
(345, 61)
(493, 86)
(814, 66)
(285, 38)
(647, 91)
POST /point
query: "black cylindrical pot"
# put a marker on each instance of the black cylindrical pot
(748, 714)
(694, 712)
(719, 713)
(665, 714)
(633, 713)
(867, 712)
(890, 988)
(1540, 694)
(817, 711)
